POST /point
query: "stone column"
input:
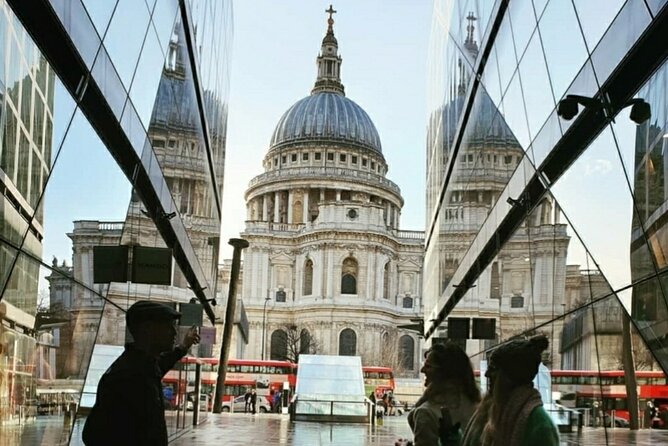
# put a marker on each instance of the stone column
(249, 209)
(370, 271)
(388, 209)
(277, 207)
(338, 194)
(305, 212)
(265, 207)
(330, 272)
(290, 200)
(322, 194)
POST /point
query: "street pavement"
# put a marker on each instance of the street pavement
(271, 429)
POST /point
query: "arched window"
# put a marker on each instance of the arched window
(279, 345)
(349, 276)
(347, 343)
(408, 302)
(307, 289)
(406, 352)
(304, 342)
(386, 281)
(517, 302)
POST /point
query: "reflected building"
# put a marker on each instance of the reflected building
(513, 290)
(518, 195)
(27, 101)
(118, 140)
(326, 251)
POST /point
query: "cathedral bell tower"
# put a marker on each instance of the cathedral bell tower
(329, 62)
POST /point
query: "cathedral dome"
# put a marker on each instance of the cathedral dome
(488, 124)
(326, 116)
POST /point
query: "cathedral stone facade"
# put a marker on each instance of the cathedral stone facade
(327, 259)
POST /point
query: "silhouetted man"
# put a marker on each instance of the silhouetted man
(129, 409)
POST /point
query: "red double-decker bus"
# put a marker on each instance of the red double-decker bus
(242, 374)
(378, 380)
(581, 388)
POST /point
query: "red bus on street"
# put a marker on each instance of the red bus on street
(378, 380)
(582, 388)
(242, 374)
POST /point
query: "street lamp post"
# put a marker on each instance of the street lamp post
(264, 322)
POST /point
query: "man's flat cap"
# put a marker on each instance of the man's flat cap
(146, 310)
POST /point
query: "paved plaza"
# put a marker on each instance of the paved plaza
(269, 429)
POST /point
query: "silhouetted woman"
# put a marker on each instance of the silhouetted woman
(450, 397)
(512, 412)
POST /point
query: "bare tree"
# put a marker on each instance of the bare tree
(298, 340)
(389, 355)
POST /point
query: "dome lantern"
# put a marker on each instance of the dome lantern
(329, 62)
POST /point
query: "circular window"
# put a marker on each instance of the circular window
(352, 214)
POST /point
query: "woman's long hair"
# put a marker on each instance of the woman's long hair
(454, 371)
(492, 407)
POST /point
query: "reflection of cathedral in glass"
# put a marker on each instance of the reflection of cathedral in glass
(518, 291)
(176, 135)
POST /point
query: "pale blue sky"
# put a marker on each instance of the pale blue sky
(384, 48)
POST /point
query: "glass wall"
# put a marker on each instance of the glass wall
(569, 246)
(67, 187)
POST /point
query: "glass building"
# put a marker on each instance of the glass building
(113, 120)
(546, 212)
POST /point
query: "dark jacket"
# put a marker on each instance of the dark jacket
(129, 408)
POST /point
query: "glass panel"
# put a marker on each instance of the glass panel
(536, 86)
(608, 204)
(523, 23)
(514, 111)
(564, 47)
(8, 254)
(655, 6)
(145, 83)
(79, 27)
(505, 53)
(125, 37)
(584, 84)
(178, 142)
(650, 314)
(48, 358)
(100, 210)
(644, 149)
(490, 78)
(109, 83)
(594, 19)
(100, 12)
(618, 39)
(547, 137)
(164, 14)
(539, 7)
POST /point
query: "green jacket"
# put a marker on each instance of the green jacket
(539, 431)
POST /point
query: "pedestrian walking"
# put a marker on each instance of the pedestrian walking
(247, 398)
(129, 407)
(276, 402)
(253, 401)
